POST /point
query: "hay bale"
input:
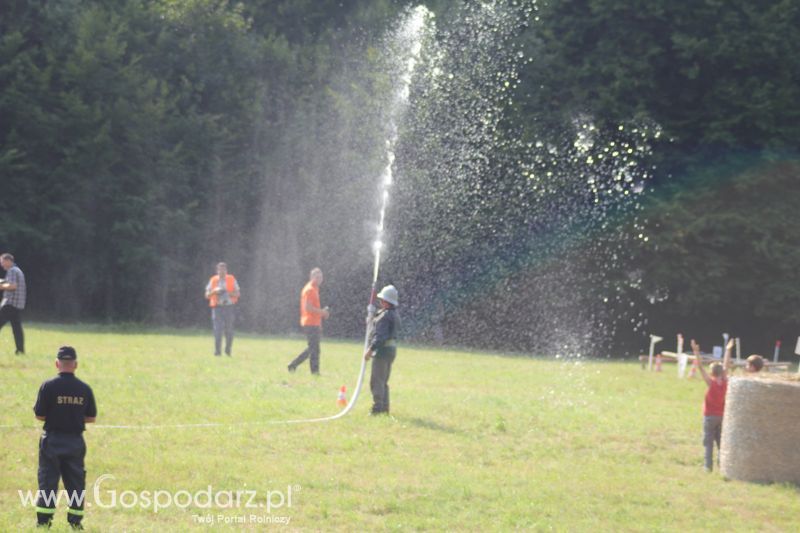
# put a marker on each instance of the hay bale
(761, 430)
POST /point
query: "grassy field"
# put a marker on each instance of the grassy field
(476, 441)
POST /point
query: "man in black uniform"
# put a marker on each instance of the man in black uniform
(65, 404)
(383, 348)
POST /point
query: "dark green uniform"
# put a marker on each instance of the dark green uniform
(64, 401)
(383, 342)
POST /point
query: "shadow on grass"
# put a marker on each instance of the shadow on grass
(435, 426)
(786, 485)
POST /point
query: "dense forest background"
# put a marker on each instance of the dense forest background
(143, 141)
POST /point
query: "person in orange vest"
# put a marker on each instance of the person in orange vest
(222, 293)
(311, 317)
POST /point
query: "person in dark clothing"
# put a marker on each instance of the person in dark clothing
(382, 348)
(65, 404)
(12, 302)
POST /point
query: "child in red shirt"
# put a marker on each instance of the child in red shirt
(714, 404)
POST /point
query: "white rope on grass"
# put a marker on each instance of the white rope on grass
(338, 415)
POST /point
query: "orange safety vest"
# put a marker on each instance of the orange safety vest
(230, 286)
(310, 294)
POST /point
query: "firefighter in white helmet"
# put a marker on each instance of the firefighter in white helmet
(382, 348)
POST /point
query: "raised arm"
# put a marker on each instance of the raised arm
(726, 361)
(703, 373)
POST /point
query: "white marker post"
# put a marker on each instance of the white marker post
(683, 362)
(777, 351)
(682, 357)
(655, 339)
(797, 352)
(738, 349)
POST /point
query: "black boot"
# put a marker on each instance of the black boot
(44, 520)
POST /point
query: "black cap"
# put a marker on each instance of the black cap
(67, 353)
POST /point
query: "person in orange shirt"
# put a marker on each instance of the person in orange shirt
(311, 317)
(222, 293)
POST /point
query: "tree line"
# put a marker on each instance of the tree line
(143, 141)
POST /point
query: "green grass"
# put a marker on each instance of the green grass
(476, 441)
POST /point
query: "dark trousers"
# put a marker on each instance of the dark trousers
(313, 334)
(61, 456)
(222, 322)
(9, 313)
(379, 382)
(712, 433)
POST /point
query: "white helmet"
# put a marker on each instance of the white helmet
(389, 294)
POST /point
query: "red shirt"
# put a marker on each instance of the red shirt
(715, 398)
